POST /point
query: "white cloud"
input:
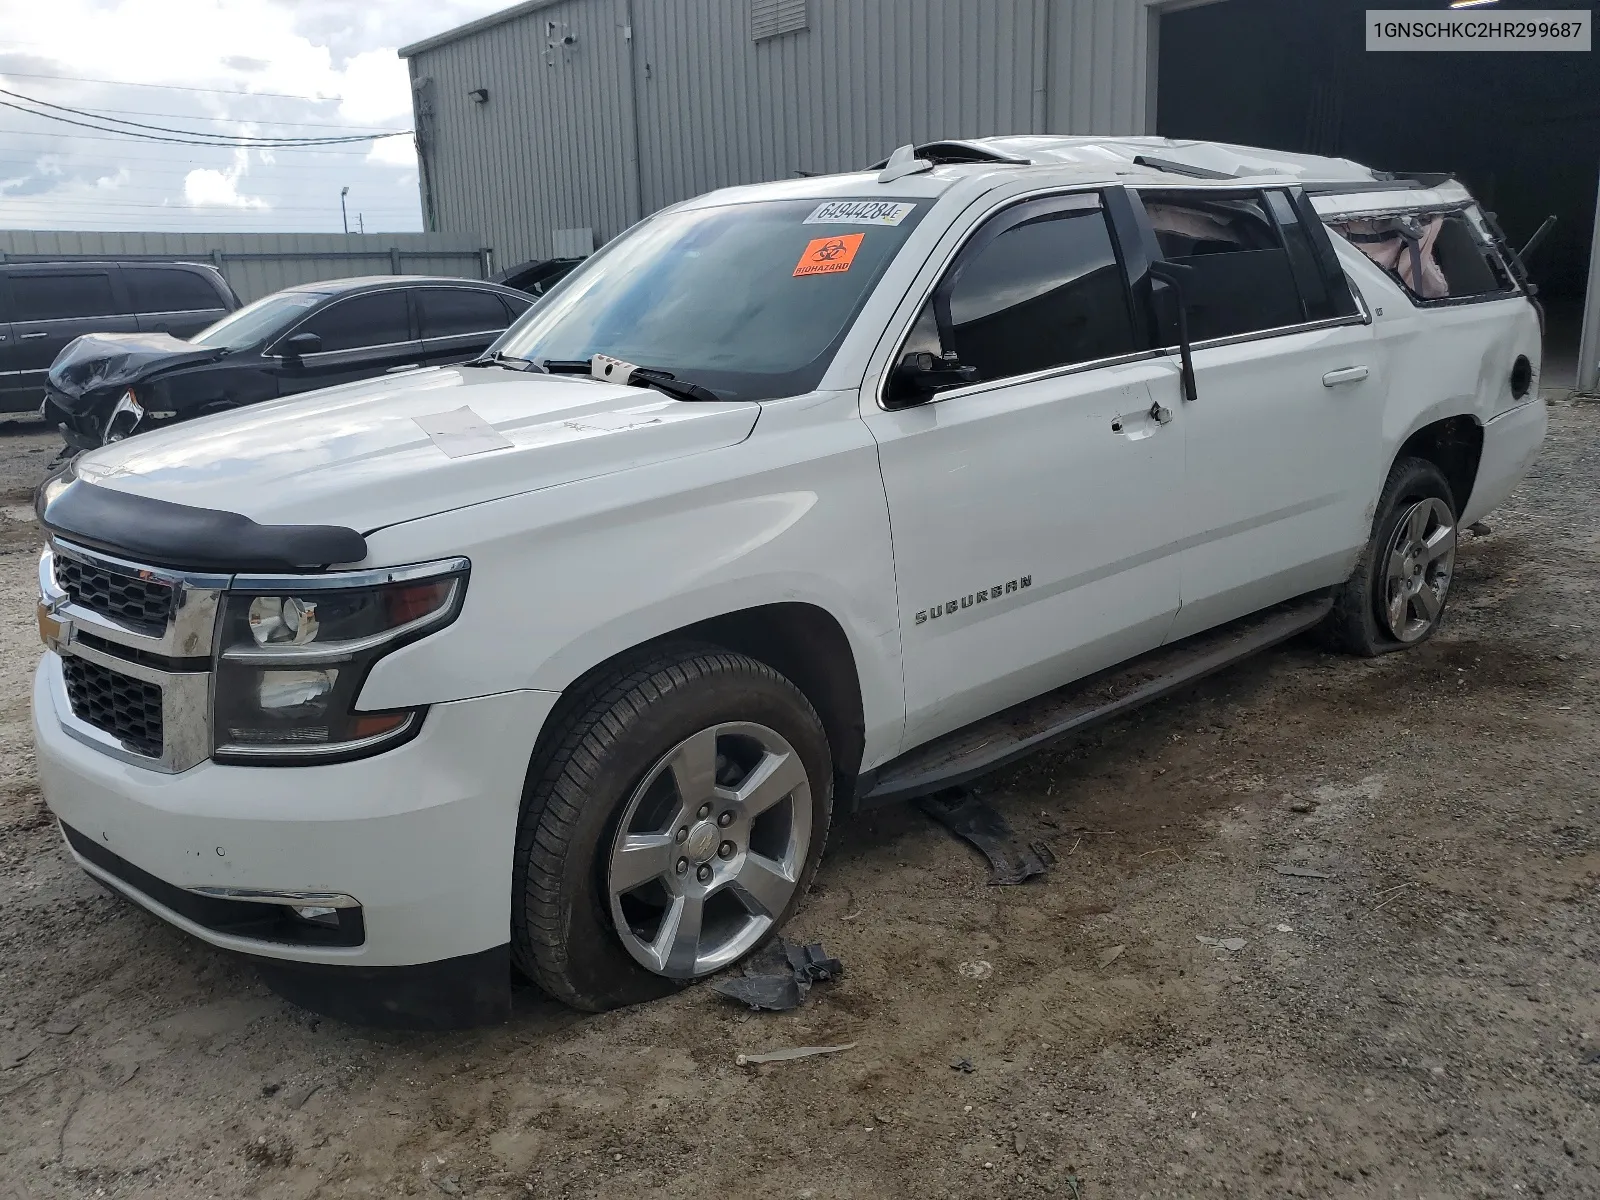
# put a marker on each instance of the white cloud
(204, 187)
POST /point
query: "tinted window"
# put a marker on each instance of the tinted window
(446, 311)
(57, 295)
(1319, 305)
(162, 289)
(1242, 280)
(1047, 292)
(258, 320)
(376, 319)
(750, 300)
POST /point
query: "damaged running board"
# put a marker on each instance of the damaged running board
(999, 740)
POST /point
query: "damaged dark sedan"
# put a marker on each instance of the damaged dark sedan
(104, 387)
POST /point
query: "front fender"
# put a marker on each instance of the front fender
(568, 577)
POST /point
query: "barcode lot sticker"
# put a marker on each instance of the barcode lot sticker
(859, 212)
(1498, 29)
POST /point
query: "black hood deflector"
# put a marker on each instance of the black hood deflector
(97, 361)
(163, 534)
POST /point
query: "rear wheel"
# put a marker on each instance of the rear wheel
(1396, 598)
(671, 824)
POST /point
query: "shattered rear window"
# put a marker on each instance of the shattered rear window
(1438, 257)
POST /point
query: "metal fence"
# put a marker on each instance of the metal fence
(256, 264)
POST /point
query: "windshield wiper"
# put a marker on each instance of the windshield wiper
(666, 381)
(505, 360)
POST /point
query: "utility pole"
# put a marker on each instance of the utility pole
(361, 223)
(343, 216)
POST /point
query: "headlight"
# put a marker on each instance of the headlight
(294, 653)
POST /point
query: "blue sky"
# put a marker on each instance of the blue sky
(267, 68)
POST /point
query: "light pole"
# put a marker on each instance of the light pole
(343, 192)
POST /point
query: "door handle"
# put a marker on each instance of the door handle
(1159, 414)
(28, 337)
(1344, 375)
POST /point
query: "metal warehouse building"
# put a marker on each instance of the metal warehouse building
(550, 127)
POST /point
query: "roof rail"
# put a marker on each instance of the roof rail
(1180, 168)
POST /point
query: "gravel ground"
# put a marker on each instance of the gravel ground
(1416, 1012)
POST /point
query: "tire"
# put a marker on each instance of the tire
(604, 790)
(1413, 538)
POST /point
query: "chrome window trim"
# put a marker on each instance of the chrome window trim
(990, 385)
(321, 354)
(1277, 331)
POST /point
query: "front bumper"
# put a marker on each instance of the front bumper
(421, 836)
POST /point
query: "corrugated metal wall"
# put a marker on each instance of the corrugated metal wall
(256, 264)
(554, 146)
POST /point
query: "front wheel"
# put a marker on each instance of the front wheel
(1396, 598)
(672, 822)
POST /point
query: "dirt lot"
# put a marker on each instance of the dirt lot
(1420, 1017)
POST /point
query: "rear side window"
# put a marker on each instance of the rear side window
(1243, 280)
(1045, 291)
(58, 295)
(163, 289)
(1436, 257)
(376, 319)
(444, 312)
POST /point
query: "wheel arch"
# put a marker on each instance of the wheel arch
(1455, 446)
(803, 642)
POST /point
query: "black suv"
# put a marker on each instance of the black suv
(104, 387)
(43, 306)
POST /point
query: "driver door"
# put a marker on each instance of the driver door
(1033, 510)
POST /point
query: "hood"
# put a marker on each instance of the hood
(97, 361)
(401, 447)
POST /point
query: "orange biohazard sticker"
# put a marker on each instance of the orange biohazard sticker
(826, 255)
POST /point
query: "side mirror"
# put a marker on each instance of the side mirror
(1172, 313)
(302, 344)
(920, 374)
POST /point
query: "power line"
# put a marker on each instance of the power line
(188, 137)
(175, 87)
(108, 113)
(89, 137)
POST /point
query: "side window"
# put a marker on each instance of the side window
(376, 319)
(1045, 291)
(444, 312)
(164, 289)
(1434, 256)
(61, 294)
(1243, 280)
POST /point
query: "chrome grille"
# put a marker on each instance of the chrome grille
(128, 709)
(142, 603)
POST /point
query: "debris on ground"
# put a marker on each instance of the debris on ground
(978, 968)
(1302, 806)
(964, 1065)
(1107, 957)
(62, 1026)
(780, 977)
(1301, 872)
(1228, 943)
(1480, 529)
(772, 1056)
(972, 820)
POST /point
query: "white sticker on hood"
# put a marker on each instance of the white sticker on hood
(860, 212)
(461, 431)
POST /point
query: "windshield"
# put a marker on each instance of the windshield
(749, 300)
(257, 320)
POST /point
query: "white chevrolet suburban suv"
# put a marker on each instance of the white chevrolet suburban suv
(794, 498)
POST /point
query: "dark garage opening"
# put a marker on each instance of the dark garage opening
(1521, 130)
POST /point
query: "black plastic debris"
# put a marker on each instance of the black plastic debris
(780, 976)
(969, 818)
